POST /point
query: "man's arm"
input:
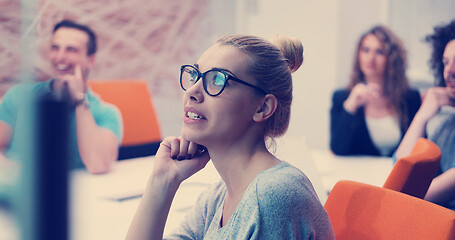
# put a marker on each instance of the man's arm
(434, 99)
(98, 146)
(415, 131)
(441, 190)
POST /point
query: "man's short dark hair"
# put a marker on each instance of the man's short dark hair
(91, 43)
(438, 40)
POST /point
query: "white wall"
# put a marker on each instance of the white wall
(315, 23)
(329, 31)
(412, 24)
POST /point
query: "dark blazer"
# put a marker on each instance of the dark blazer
(349, 133)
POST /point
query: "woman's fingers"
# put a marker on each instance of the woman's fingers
(184, 145)
(175, 147)
(180, 148)
(192, 150)
(189, 150)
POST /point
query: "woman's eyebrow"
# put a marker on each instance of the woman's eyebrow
(219, 69)
(224, 70)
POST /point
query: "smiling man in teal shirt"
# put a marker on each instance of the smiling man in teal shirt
(95, 127)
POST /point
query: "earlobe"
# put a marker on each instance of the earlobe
(92, 60)
(267, 108)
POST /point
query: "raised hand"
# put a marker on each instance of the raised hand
(75, 82)
(360, 95)
(435, 98)
(179, 159)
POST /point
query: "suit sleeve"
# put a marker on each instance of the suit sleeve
(342, 125)
(414, 101)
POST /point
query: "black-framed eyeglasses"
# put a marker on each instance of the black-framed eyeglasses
(214, 80)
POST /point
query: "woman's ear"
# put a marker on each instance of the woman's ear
(267, 108)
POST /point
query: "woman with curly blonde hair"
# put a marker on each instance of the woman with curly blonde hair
(372, 114)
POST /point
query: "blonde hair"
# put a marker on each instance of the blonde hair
(271, 64)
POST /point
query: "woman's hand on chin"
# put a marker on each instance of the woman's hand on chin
(178, 159)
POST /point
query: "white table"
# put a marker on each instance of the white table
(102, 206)
(97, 211)
(365, 169)
(97, 215)
(324, 169)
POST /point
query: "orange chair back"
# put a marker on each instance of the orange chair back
(140, 123)
(361, 211)
(413, 174)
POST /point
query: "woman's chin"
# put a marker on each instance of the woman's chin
(189, 135)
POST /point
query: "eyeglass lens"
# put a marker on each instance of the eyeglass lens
(213, 80)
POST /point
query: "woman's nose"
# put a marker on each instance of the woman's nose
(196, 92)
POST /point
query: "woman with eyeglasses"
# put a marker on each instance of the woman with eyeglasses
(237, 95)
(371, 115)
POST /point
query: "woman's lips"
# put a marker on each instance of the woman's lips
(192, 115)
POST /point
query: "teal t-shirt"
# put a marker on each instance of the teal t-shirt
(440, 129)
(14, 112)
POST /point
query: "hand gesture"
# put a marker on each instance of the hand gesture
(434, 99)
(362, 94)
(179, 159)
(75, 83)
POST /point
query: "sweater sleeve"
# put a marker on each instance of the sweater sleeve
(342, 125)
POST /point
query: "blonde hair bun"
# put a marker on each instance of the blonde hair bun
(291, 48)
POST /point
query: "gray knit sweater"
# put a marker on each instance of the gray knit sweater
(280, 203)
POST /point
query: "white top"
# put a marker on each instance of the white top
(384, 132)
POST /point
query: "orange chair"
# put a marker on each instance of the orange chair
(141, 130)
(361, 211)
(413, 174)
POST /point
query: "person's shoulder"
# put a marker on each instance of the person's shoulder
(340, 94)
(286, 195)
(341, 91)
(100, 106)
(216, 190)
(282, 173)
(25, 89)
(413, 100)
(212, 198)
(284, 184)
(412, 93)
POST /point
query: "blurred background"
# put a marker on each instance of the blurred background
(149, 40)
